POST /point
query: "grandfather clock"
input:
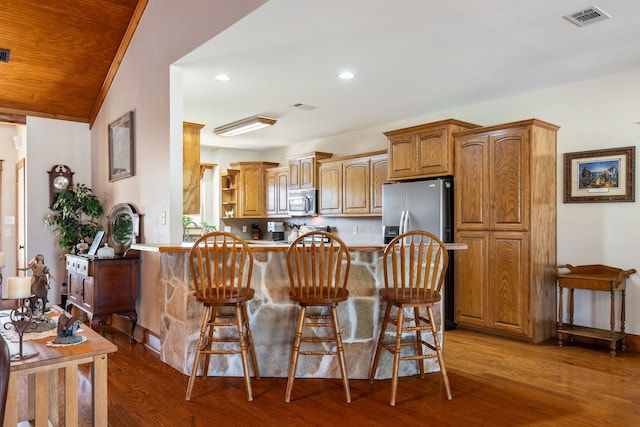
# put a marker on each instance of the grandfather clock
(60, 178)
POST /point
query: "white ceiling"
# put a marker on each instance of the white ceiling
(410, 57)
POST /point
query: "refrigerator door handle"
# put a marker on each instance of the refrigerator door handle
(406, 221)
(403, 222)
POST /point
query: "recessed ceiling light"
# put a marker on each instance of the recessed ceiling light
(346, 75)
(222, 77)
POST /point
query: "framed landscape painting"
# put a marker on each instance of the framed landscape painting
(600, 176)
(121, 149)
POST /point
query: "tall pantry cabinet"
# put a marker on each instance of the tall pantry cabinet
(505, 211)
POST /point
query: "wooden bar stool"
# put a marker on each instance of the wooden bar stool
(318, 263)
(221, 267)
(414, 265)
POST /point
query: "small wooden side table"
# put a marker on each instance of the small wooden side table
(594, 277)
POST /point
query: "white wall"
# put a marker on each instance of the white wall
(167, 31)
(50, 142)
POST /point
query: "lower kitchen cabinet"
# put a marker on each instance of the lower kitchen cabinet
(104, 286)
(496, 293)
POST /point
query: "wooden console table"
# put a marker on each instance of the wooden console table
(104, 286)
(595, 278)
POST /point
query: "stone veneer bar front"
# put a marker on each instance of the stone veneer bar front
(273, 315)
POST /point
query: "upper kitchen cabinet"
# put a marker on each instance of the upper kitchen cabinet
(352, 185)
(252, 188)
(505, 211)
(191, 167)
(423, 151)
(277, 182)
(303, 169)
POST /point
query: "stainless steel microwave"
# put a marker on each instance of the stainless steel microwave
(303, 202)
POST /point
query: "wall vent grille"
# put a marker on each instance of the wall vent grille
(306, 107)
(588, 16)
(4, 55)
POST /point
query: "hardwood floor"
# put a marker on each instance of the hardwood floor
(494, 382)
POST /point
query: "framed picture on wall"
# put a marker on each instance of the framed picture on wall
(121, 148)
(600, 176)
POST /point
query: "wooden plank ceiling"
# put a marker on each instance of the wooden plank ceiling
(63, 55)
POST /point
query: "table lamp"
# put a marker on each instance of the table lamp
(21, 317)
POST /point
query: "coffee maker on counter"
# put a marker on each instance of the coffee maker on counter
(276, 229)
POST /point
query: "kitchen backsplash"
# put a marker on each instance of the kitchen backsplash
(358, 230)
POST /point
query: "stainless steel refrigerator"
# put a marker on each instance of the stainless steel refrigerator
(422, 205)
(418, 205)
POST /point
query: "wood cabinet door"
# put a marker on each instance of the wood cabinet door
(356, 189)
(252, 202)
(115, 285)
(434, 152)
(402, 156)
(282, 194)
(294, 173)
(86, 294)
(509, 282)
(471, 279)
(379, 172)
(471, 183)
(308, 172)
(191, 167)
(271, 194)
(277, 190)
(74, 288)
(509, 180)
(330, 188)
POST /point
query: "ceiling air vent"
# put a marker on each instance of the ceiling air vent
(588, 16)
(306, 107)
(4, 55)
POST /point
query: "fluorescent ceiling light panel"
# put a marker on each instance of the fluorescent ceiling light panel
(245, 125)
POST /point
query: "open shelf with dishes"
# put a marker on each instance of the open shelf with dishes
(229, 193)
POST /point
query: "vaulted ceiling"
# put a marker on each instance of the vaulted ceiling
(62, 56)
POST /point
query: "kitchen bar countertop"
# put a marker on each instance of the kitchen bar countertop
(268, 246)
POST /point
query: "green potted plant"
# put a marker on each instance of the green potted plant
(74, 217)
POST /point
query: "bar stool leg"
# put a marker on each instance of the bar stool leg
(340, 349)
(196, 359)
(243, 351)
(396, 356)
(293, 364)
(376, 357)
(436, 341)
(416, 316)
(252, 349)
